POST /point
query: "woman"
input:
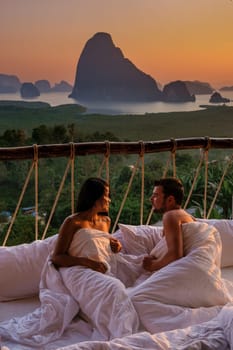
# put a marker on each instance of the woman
(74, 285)
(92, 208)
(102, 298)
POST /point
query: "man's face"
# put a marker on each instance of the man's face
(158, 200)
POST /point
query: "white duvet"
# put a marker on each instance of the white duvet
(215, 334)
(179, 307)
(95, 244)
(193, 282)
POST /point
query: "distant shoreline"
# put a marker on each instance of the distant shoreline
(61, 98)
(214, 122)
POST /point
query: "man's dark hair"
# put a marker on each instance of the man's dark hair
(91, 190)
(171, 187)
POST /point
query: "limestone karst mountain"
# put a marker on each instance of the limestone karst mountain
(104, 74)
(9, 83)
(199, 88)
(216, 97)
(177, 91)
(12, 84)
(43, 85)
(29, 90)
(63, 86)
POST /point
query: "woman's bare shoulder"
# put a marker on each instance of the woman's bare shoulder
(72, 221)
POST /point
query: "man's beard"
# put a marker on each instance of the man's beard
(160, 210)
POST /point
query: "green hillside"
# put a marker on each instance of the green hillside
(214, 122)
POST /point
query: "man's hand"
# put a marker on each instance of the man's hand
(148, 263)
(115, 245)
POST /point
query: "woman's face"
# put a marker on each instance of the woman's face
(104, 202)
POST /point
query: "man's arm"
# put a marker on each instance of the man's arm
(174, 239)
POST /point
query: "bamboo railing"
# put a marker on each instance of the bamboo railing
(88, 148)
(107, 148)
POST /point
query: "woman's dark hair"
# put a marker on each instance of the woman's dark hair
(171, 187)
(92, 190)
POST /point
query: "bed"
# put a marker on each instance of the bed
(183, 324)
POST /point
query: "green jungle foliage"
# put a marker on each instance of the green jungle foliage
(32, 126)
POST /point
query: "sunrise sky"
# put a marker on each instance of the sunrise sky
(168, 39)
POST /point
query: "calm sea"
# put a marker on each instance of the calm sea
(59, 98)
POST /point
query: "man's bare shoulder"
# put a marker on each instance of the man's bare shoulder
(178, 215)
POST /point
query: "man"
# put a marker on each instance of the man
(183, 275)
(167, 198)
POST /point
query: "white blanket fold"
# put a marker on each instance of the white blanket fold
(103, 299)
(209, 335)
(95, 244)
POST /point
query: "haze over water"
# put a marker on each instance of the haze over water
(59, 98)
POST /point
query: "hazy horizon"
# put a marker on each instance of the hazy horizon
(176, 40)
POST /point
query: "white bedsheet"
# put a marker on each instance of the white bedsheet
(216, 334)
(180, 305)
(102, 298)
(95, 244)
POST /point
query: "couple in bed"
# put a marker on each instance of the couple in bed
(183, 273)
(91, 221)
(187, 257)
(92, 206)
(84, 242)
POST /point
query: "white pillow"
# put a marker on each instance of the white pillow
(225, 228)
(139, 239)
(21, 266)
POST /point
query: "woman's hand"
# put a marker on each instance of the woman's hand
(94, 265)
(115, 245)
(148, 263)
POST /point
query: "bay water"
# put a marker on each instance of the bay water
(61, 98)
